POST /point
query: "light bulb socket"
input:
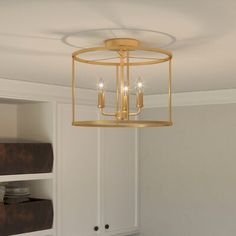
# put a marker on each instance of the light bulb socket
(101, 99)
(139, 100)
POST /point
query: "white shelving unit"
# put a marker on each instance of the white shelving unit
(34, 121)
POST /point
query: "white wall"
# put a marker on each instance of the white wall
(8, 121)
(35, 121)
(188, 173)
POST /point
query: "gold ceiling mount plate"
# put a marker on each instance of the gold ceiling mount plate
(122, 44)
(123, 56)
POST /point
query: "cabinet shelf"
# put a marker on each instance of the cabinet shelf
(24, 177)
(48, 232)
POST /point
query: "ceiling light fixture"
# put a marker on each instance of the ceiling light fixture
(123, 59)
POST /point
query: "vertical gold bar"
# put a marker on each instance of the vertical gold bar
(127, 79)
(117, 89)
(121, 80)
(73, 90)
(170, 91)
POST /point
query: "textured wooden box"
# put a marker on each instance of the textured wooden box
(25, 158)
(35, 215)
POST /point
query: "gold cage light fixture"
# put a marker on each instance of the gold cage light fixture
(123, 60)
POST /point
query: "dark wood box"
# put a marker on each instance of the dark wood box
(25, 158)
(35, 215)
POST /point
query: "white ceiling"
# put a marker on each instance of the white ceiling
(35, 37)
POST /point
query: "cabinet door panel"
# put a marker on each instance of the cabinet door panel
(119, 179)
(78, 176)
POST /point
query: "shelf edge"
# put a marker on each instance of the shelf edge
(22, 177)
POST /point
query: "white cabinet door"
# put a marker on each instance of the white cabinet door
(78, 175)
(120, 180)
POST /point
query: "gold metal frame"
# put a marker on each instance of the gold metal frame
(126, 45)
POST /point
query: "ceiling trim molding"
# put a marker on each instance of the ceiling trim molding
(15, 89)
(224, 96)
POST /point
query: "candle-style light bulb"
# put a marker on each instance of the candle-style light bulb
(126, 89)
(139, 85)
(125, 101)
(101, 94)
(101, 85)
(139, 93)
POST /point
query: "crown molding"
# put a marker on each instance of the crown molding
(15, 89)
(224, 96)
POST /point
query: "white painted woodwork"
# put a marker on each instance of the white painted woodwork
(13, 124)
(224, 96)
(34, 121)
(48, 232)
(98, 177)
(24, 177)
(119, 179)
(78, 168)
(79, 180)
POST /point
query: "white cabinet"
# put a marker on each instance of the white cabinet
(119, 178)
(98, 183)
(78, 196)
